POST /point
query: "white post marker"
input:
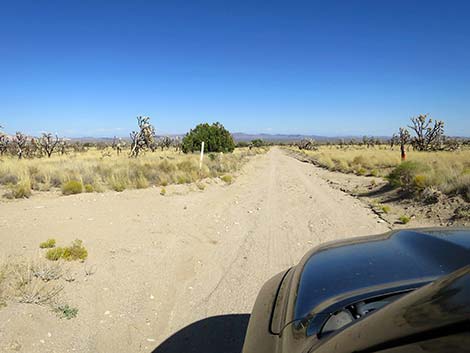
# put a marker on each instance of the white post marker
(202, 155)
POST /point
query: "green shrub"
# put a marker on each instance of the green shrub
(74, 252)
(72, 187)
(227, 179)
(54, 254)
(89, 188)
(200, 186)
(257, 143)
(49, 243)
(420, 182)
(163, 191)
(215, 137)
(361, 171)
(404, 175)
(404, 219)
(66, 312)
(386, 208)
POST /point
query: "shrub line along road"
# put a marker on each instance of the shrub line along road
(165, 262)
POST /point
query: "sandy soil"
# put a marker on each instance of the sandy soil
(164, 263)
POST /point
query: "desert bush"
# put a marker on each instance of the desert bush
(385, 208)
(404, 219)
(163, 191)
(76, 251)
(46, 271)
(462, 212)
(227, 179)
(201, 186)
(72, 187)
(215, 137)
(49, 243)
(64, 311)
(8, 179)
(405, 175)
(89, 188)
(22, 190)
(54, 254)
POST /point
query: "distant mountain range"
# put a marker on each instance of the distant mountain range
(244, 137)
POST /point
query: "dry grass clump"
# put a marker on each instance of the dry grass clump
(90, 172)
(72, 187)
(35, 282)
(31, 283)
(22, 190)
(447, 172)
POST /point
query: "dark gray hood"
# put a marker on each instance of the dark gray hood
(334, 274)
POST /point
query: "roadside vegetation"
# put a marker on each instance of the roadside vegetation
(448, 172)
(35, 282)
(49, 163)
(419, 163)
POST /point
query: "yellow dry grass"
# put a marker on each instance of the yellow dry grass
(447, 171)
(103, 170)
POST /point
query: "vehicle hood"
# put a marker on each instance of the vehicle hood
(397, 261)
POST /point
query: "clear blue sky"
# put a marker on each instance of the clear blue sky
(88, 68)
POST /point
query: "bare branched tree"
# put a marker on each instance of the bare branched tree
(143, 139)
(176, 143)
(118, 145)
(403, 139)
(48, 143)
(19, 142)
(165, 142)
(62, 146)
(4, 142)
(307, 144)
(429, 133)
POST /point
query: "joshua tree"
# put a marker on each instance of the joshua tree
(143, 139)
(429, 133)
(48, 143)
(4, 142)
(176, 143)
(307, 144)
(403, 138)
(62, 146)
(118, 145)
(165, 142)
(19, 142)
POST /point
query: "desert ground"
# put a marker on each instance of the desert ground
(173, 273)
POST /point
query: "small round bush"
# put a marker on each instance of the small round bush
(54, 254)
(72, 187)
(89, 188)
(227, 178)
(49, 243)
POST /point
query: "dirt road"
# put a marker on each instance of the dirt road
(163, 263)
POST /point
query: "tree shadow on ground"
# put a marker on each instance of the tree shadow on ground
(216, 334)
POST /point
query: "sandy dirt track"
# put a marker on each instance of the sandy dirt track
(163, 263)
